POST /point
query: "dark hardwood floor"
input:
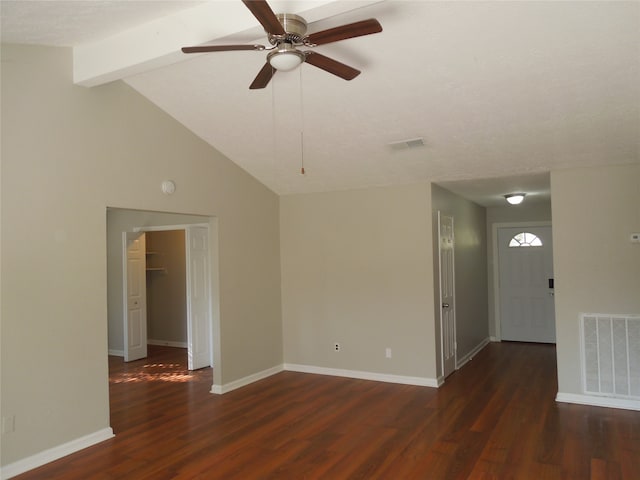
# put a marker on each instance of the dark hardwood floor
(496, 418)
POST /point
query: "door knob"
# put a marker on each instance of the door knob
(445, 305)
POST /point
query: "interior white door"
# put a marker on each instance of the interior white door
(198, 292)
(527, 310)
(135, 292)
(447, 295)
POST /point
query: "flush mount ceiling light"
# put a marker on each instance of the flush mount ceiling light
(285, 58)
(515, 198)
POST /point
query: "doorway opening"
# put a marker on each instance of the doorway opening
(166, 279)
(148, 286)
(190, 299)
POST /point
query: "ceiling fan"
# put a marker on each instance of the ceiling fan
(286, 32)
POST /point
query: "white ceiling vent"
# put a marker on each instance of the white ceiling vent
(405, 144)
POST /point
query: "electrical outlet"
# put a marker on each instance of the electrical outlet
(634, 238)
(336, 347)
(388, 352)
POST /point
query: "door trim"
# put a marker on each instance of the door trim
(496, 269)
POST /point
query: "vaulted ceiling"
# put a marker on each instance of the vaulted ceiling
(499, 93)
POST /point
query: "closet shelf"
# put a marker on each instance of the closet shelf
(156, 269)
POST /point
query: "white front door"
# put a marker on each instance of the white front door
(447, 295)
(527, 310)
(135, 290)
(198, 294)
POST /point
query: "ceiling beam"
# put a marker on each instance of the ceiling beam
(157, 43)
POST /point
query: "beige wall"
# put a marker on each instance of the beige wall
(469, 222)
(68, 153)
(356, 269)
(597, 269)
(534, 212)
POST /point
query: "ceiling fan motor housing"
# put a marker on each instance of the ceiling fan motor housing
(294, 25)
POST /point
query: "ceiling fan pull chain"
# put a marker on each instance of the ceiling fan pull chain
(302, 155)
(301, 128)
(274, 134)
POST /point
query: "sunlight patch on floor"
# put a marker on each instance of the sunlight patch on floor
(154, 372)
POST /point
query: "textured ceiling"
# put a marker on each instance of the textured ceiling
(77, 22)
(500, 92)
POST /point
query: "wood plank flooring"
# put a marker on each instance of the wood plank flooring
(496, 418)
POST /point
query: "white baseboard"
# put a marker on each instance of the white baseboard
(227, 387)
(597, 401)
(378, 377)
(460, 363)
(336, 372)
(116, 353)
(494, 339)
(167, 343)
(39, 459)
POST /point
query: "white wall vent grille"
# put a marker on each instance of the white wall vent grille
(611, 355)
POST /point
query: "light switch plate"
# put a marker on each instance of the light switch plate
(634, 238)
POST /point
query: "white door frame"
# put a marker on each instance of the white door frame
(213, 352)
(496, 269)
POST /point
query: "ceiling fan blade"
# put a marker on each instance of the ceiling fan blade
(264, 77)
(262, 11)
(351, 30)
(220, 48)
(332, 66)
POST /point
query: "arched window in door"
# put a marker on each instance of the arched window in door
(525, 239)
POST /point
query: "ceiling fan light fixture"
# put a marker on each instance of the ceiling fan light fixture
(285, 58)
(515, 198)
